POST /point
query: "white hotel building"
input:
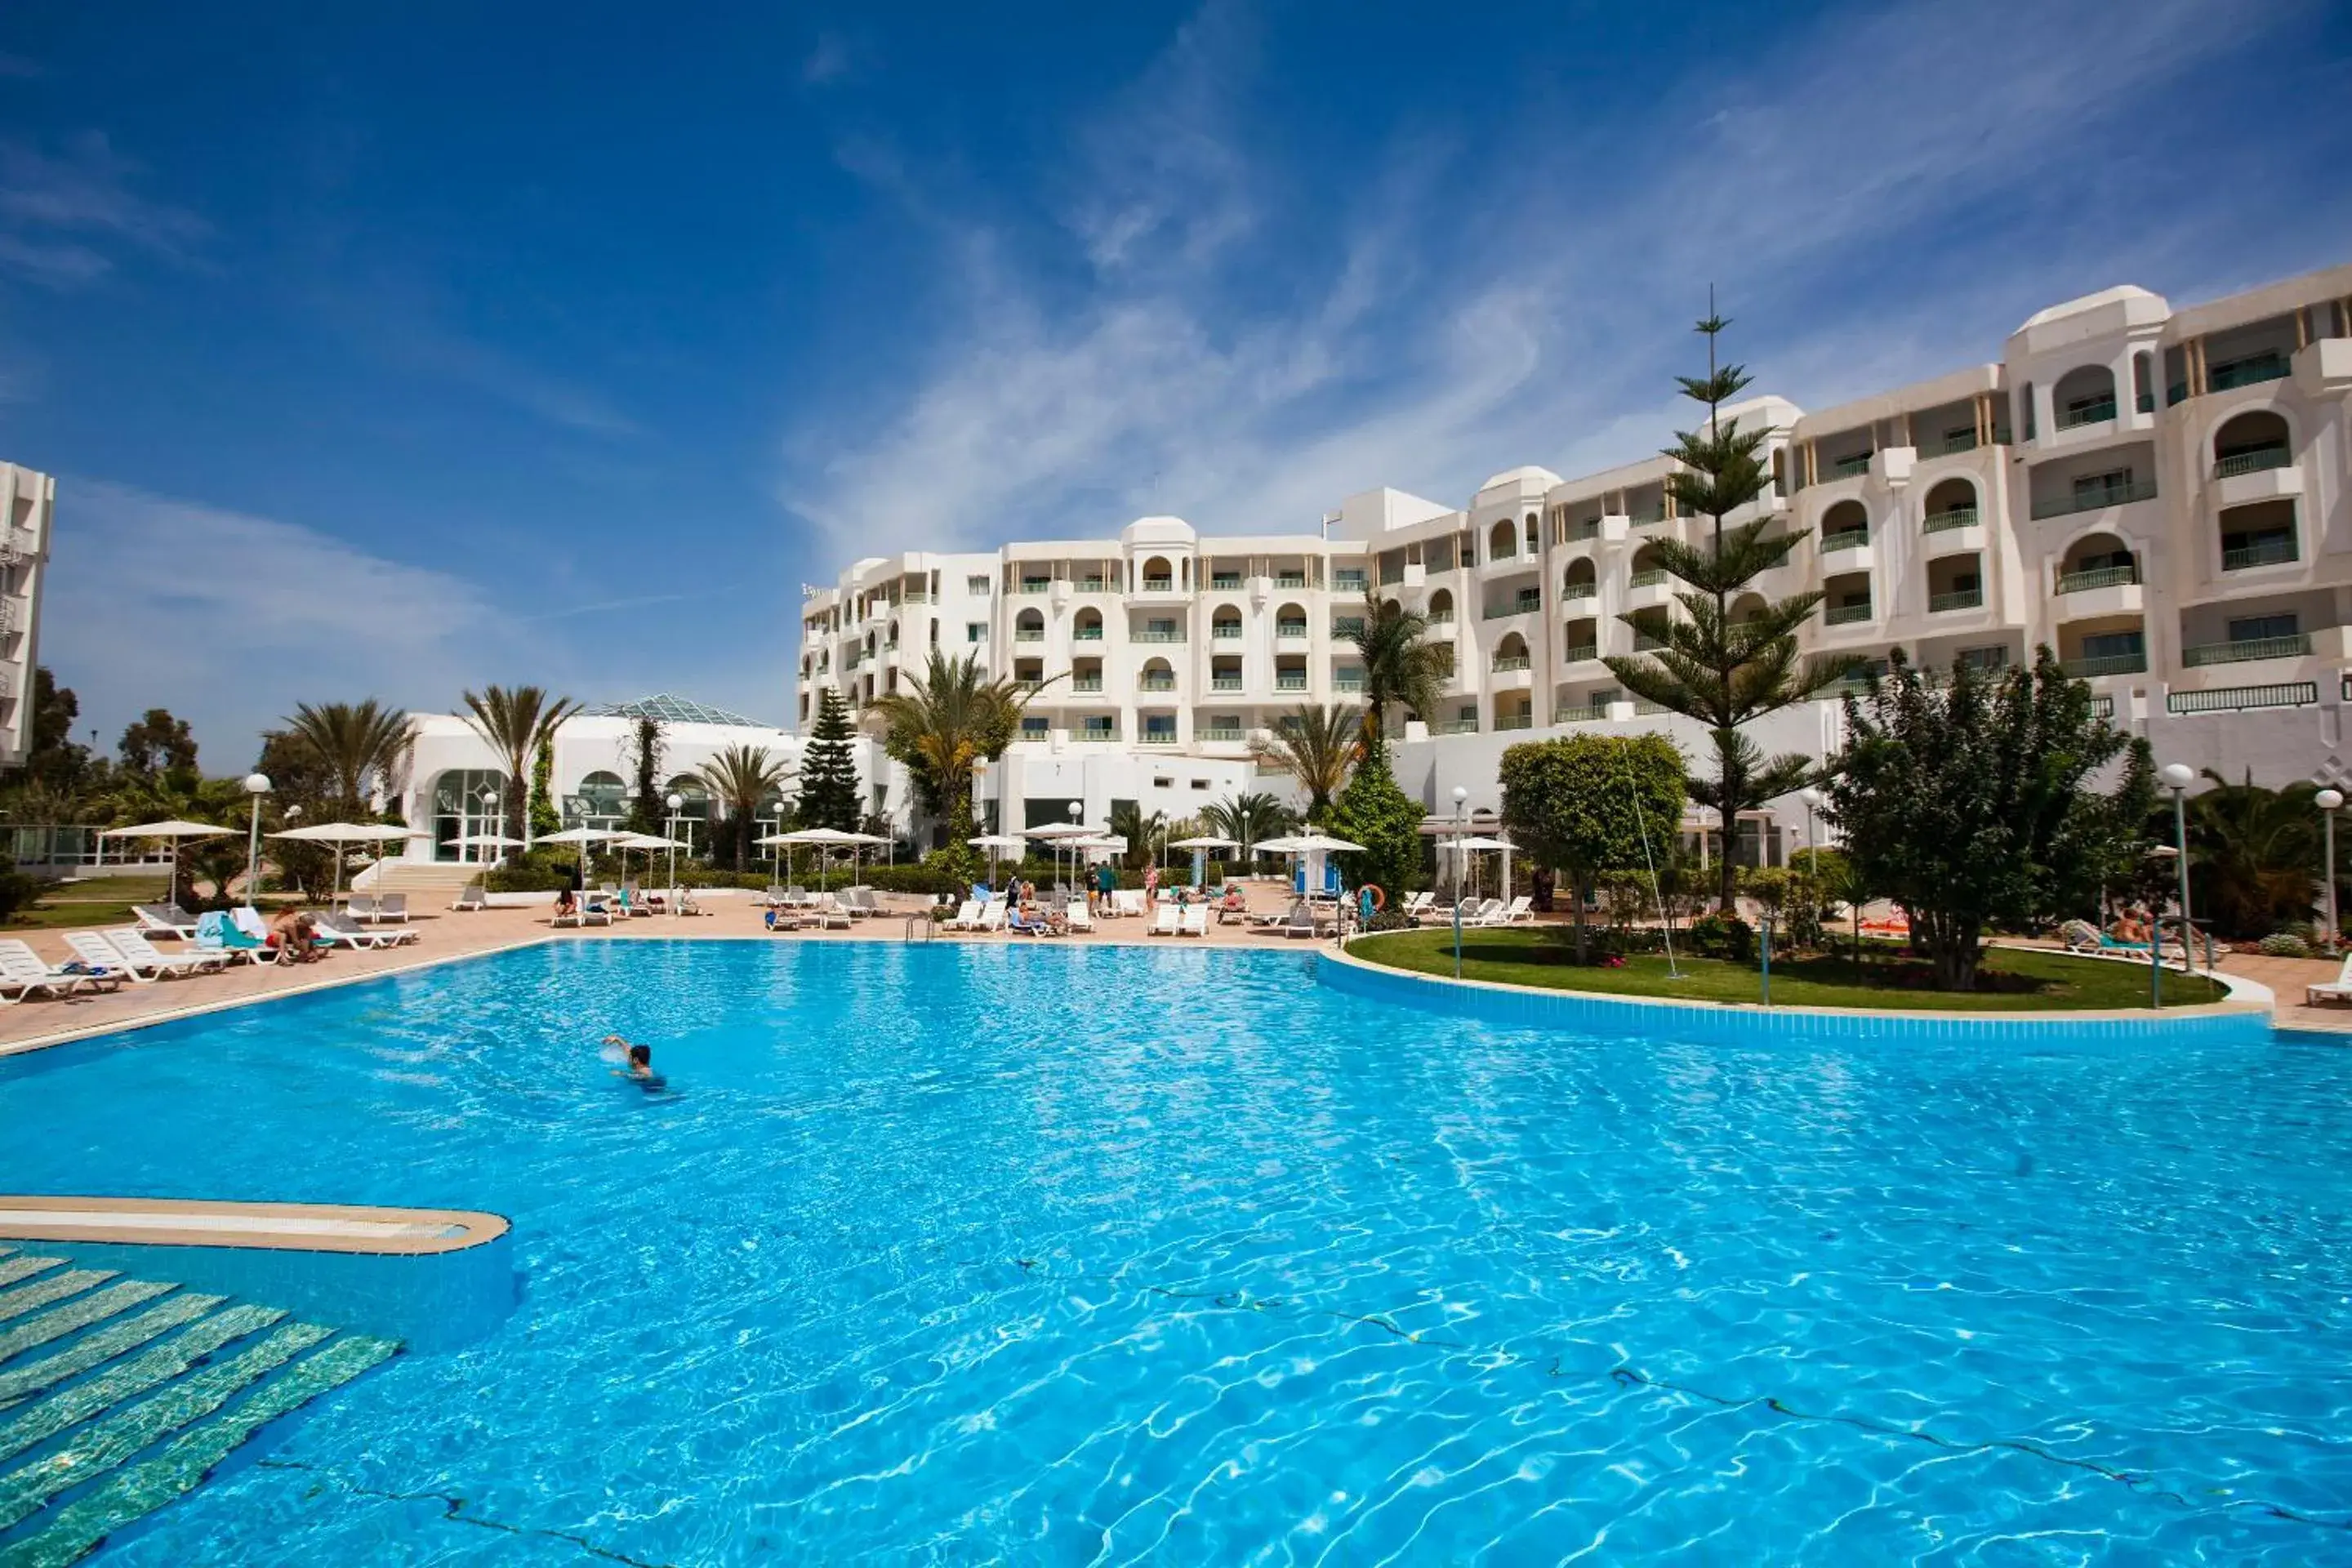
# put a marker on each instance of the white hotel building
(2160, 495)
(28, 503)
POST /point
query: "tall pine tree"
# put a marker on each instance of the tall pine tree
(829, 769)
(1723, 673)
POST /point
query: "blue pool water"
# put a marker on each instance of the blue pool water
(961, 1254)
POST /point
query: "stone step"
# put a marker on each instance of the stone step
(79, 1314)
(56, 1287)
(19, 1384)
(82, 1526)
(119, 1384)
(100, 1448)
(13, 1270)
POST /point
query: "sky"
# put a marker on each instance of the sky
(398, 350)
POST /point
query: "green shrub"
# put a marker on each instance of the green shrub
(2285, 944)
(1720, 936)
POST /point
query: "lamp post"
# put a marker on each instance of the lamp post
(673, 802)
(2178, 777)
(257, 785)
(1461, 805)
(2327, 800)
(1812, 798)
(1077, 813)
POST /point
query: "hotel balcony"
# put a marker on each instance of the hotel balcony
(2101, 591)
(1220, 734)
(1847, 614)
(1648, 589)
(2105, 664)
(2095, 498)
(1225, 683)
(1957, 599)
(2247, 651)
(1847, 550)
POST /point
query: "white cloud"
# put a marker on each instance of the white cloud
(58, 207)
(230, 619)
(1529, 308)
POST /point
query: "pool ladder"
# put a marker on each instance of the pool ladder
(919, 928)
(119, 1396)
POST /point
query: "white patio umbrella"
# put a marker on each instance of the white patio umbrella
(171, 832)
(648, 842)
(340, 834)
(1057, 834)
(583, 836)
(1311, 848)
(993, 843)
(823, 838)
(1477, 842)
(1200, 847)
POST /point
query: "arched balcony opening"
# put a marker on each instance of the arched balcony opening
(2084, 396)
(1290, 621)
(1503, 541)
(1225, 625)
(1581, 581)
(2253, 441)
(1088, 628)
(1158, 676)
(1158, 575)
(1845, 526)
(1511, 653)
(2098, 561)
(1951, 504)
(1029, 625)
(1441, 607)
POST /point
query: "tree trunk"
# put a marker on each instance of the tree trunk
(1583, 948)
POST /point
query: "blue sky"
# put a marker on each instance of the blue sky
(389, 351)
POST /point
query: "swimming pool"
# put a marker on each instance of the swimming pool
(958, 1253)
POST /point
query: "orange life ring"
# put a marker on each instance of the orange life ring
(1380, 899)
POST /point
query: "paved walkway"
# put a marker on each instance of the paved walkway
(443, 936)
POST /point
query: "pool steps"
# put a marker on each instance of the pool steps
(133, 1409)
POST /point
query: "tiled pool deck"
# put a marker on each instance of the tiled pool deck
(444, 936)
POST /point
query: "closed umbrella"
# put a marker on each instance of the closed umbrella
(1311, 848)
(171, 832)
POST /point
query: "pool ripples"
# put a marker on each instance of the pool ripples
(1098, 1256)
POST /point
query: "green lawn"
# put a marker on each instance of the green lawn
(2010, 980)
(107, 890)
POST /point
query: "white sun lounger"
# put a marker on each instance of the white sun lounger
(1080, 920)
(360, 906)
(2337, 990)
(166, 919)
(1126, 902)
(992, 914)
(472, 898)
(342, 929)
(125, 951)
(966, 917)
(1163, 920)
(24, 971)
(1195, 921)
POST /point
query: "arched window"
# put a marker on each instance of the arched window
(2255, 439)
(2098, 561)
(1511, 653)
(1225, 625)
(1440, 606)
(601, 801)
(1844, 526)
(1747, 608)
(1645, 568)
(1503, 541)
(1290, 621)
(1158, 676)
(470, 803)
(694, 796)
(1158, 575)
(1581, 581)
(1029, 625)
(2084, 396)
(1951, 504)
(1089, 628)
(1534, 540)
(2143, 383)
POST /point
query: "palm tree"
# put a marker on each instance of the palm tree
(743, 779)
(943, 724)
(352, 741)
(1248, 818)
(518, 722)
(1401, 669)
(1316, 746)
(2253, 854)
(1143, 834)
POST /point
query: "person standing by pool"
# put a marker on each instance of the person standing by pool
(1151, 882)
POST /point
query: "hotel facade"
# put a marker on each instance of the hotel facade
(2157, 494)
(28, 503)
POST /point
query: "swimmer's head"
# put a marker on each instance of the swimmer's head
(641, 1056)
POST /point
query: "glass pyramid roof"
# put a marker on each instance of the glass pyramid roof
(673, 710)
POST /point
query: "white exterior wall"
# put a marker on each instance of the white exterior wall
(27, 508)
(1928, 580)
(444, 743)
